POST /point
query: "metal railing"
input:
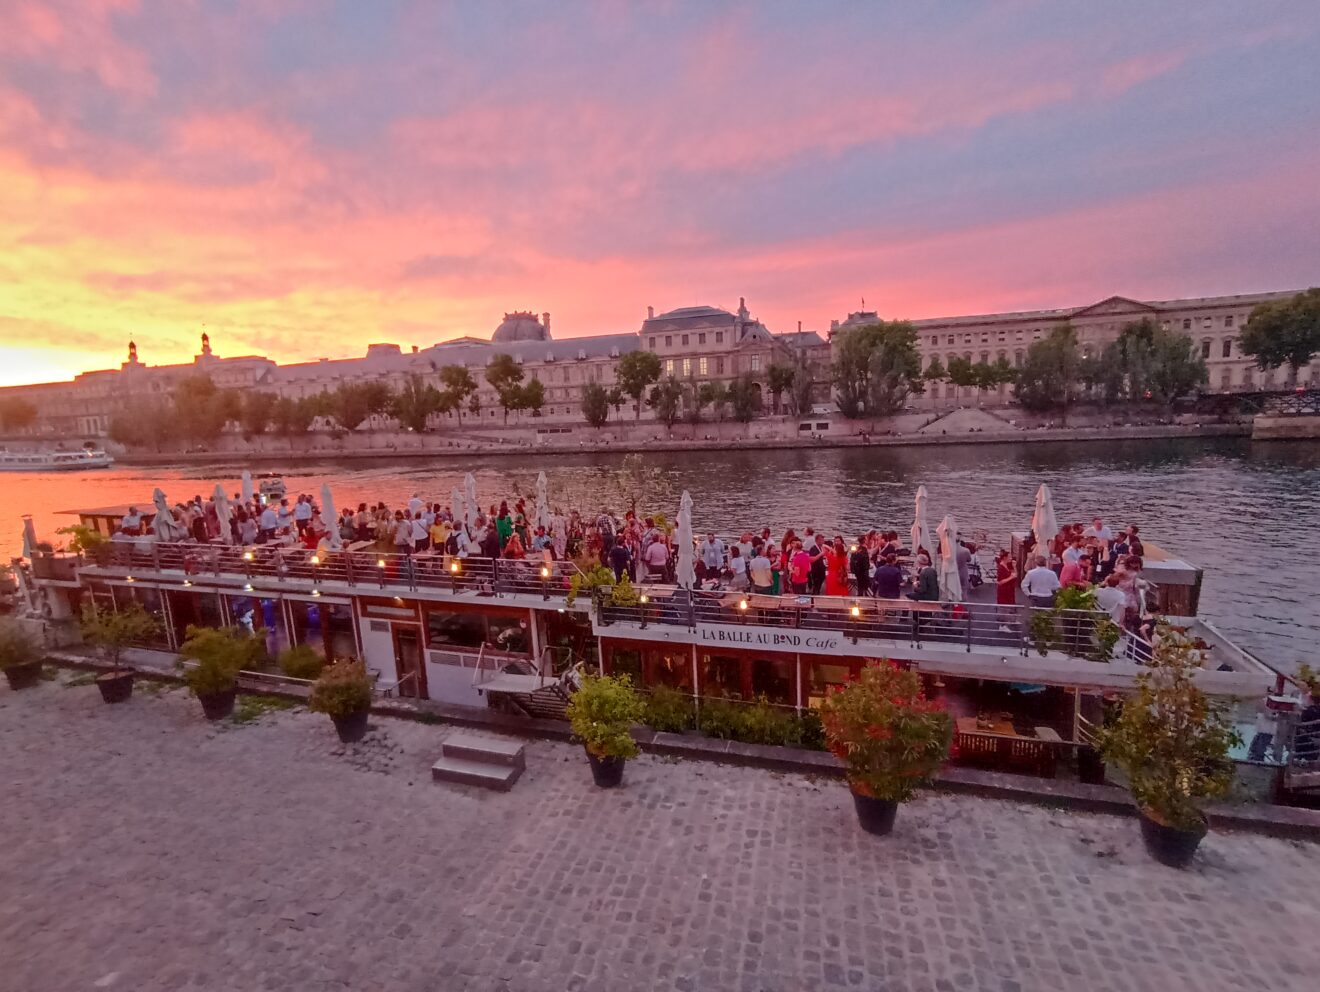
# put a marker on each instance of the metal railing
(1020, 629)
(363, 568)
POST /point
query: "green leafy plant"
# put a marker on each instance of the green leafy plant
(624, 593)
(719, 718)
(889, 736)
(17, 646)
(84, 540)
(300, 662)
(668, 710)
(1170, 739)
(597, 577)
(1091, 637)
(220, 654)
(110, 631)
(602, 713)
(759, 721)
(253, 708)
(343, 688)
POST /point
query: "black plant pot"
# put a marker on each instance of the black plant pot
(217, 705)
(1090, 766)
(351, 727)
(115, 686)
(23, 676)
(607, 772)
(1169, 845)
(875, 815)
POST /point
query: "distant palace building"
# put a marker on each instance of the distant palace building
(694, 343)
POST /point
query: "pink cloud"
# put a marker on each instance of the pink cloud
(80, 37)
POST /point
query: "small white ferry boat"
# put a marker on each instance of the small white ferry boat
(54, 461)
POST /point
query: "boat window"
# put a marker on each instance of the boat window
(455, 630)
(509, 634)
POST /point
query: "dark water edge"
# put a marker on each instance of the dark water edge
(1247, 512)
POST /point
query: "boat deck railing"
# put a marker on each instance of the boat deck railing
(970, 626)
(362, 568)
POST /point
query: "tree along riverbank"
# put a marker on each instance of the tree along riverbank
(321, 449)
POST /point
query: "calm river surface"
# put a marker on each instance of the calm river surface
(1248, 513)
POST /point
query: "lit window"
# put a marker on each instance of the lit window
(701, 366)
(687, 367)
(669, 366)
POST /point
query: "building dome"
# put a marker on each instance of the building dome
(521, 325)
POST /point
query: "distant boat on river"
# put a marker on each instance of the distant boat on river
(54, 461)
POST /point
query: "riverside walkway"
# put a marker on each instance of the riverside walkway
(147, 850)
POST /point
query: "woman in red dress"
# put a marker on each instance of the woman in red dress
(836, 568)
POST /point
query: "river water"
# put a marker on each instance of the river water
(1247, 512)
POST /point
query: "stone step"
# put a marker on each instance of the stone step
(467, 772)
(491, 750)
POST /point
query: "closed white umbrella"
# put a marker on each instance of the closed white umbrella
(247, 488)
(687, 569)
(29, 538)
(1044, 524)
(470, 509)
(222, 514)
(163, 524)
(951, 589)
(920, 532)
(330, 518)
(542, 502)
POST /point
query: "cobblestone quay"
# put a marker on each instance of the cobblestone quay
(142, 849)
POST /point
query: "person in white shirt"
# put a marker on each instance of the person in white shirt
(656, 557)
(712, 556)
(132, 522)
(269, 524)
(421, 534)
(284, 515)
(738, 566)
(1099, 531)
(1040, 584)
(763, 578)
(302, 513)
(1111, 599)
(415, 505)
(1073, 552)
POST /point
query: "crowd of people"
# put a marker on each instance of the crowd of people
(875, 563)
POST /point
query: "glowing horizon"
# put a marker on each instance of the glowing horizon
(301, 178)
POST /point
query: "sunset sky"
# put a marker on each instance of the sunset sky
(303, 177)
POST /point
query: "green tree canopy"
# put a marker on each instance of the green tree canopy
(293, 416)
(533, 397)
(595, 404)
(1048, 375)
(666, 400)
(505, 375)
(1284, 332)
(637, 370)
(744, 402)
(415, 402)
(935, 371)
(16, 413)
(354, 402)
(779, 380)
(716, 395)
(258, 407)
(1152, 364)
(458, 385)
(875, 368)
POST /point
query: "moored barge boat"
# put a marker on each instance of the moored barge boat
(493, 632)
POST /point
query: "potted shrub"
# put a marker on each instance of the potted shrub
(220, 654)
(890, 738)
(301, 662)
(1172, 741)
(343, 692)
(596, 577)
(602, 712)
(92, 544)
(110, 631)
(20, 654)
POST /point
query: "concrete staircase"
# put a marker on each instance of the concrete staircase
(490, 762)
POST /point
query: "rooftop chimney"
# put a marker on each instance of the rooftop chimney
(650, 312)
(799, 327)
(415, 348)
(545, 322)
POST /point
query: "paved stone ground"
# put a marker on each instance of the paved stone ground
(142, 849)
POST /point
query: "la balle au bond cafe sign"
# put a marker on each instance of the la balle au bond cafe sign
(723, 635)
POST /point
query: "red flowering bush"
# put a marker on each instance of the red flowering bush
(891, 738)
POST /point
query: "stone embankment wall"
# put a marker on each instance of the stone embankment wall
(1266, 428)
